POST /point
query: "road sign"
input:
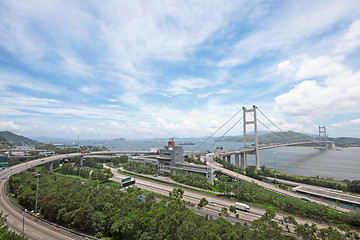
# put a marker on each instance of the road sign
(126, 179)
(128, 183)
(2, 165)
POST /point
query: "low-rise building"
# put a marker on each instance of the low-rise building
(172, 158)
(47, 153)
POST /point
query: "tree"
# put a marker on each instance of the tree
(232, 209)
(115, 161)
(354, 186)
(224, 211)
(67, 169)
(203, 202)
(176, 194)
(124, 159)
(98, 221)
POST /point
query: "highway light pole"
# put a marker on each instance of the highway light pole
(24, 223)
(275, 164)
(37, 190)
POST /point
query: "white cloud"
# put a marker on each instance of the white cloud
(336, 92)
(185, 86)
(353, 122)
(9, 126)
(29, 101)
(8, 79)
(285, 68)
(319, 67)
(351, 39)
(286, 29)
(230, 62)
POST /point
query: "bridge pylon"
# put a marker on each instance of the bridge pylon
(254, 136)
(323, 138)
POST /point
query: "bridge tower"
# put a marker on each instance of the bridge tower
(323, 138)
(254, 136)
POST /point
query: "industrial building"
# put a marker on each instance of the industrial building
(172, 158)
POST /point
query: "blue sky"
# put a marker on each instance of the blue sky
(145, 69)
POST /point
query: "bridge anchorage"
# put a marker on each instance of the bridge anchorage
(254, 148)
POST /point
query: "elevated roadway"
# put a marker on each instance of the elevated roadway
(265, 185)
(33, 229)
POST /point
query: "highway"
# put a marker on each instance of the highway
(265, 185)
(34, 229)
(195, 197)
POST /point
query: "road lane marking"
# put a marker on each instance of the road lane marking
(36, 235)
(21, 227)
(9, 219)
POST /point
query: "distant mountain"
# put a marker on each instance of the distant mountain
(346, 141)
(279, 137)
(215, 138)
(17, 140)
(119, 139)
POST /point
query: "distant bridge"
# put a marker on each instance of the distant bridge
(255, 147)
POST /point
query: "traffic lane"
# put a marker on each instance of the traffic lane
(219, 201)
(33, 230)
(269, 186)
(190, 193)
(254, 214)
(192, 197)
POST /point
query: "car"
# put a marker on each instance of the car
(42, 160)
(305, 199)
(211, 203)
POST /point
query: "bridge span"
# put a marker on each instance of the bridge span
(241, 152)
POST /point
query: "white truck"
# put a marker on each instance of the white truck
(242, 206)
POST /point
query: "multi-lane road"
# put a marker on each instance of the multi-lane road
(265, 185)
(33, 229)
(194, 197)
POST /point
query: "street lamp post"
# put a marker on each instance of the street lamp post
(275, 164)
(23, 232)
(37, 190)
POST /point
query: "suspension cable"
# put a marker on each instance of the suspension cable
(217, 130)
(269, 128)
(226, 132)
(273, 123)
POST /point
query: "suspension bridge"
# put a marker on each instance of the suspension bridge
(250, 120)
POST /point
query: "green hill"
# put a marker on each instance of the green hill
(278, 137)
(16, 140)
(346, 141)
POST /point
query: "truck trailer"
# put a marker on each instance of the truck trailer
(242, 207)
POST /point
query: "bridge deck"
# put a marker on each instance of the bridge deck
(328, 194)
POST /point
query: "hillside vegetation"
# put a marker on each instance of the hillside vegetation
(17, 140)
(346, 141)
